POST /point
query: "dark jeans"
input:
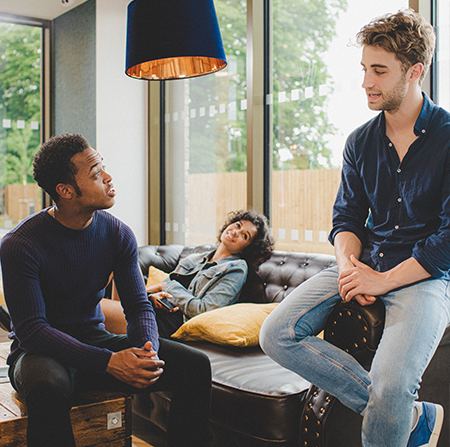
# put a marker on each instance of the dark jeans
(49, 388)
(168, 322)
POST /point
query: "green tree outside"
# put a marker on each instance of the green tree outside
(20, 104)
(302, 32)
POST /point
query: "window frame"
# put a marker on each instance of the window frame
(46, 123)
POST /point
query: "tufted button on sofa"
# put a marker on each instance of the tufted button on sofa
(256, 402)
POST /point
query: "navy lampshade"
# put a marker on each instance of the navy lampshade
(172, 39)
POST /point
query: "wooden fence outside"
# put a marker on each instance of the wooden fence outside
(302, 202)
(22, 200)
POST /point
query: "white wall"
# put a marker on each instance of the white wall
(121, 118)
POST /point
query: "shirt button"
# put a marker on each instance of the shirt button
(381, 255)
(423, 130)
(399, 199)
(399, 170)
(396, 227)
(390, 144)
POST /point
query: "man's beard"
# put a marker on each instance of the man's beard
(393, 99)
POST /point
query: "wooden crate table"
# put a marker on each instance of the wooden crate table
(100, 418)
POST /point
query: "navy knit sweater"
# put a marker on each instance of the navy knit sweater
(54, 278)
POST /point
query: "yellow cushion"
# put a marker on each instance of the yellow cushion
(236, 325)
(155, 276)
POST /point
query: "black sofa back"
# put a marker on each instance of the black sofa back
(271, 283)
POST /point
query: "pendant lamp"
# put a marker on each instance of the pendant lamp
(173, 39)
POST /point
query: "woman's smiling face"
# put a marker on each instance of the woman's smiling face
(238, 235)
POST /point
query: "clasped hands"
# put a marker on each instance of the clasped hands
(138, 367)
(360, 282)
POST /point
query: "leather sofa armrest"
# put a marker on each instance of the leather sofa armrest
(356, 329)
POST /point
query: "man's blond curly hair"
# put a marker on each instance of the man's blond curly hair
(406, 34)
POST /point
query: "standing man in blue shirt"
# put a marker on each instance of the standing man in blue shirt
(391, 234)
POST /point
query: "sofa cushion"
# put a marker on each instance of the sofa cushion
(250, 370)
(253, 394)
(253, 397)
(236, 325)
(155, 276)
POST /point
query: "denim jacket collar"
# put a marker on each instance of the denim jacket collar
(208, 256)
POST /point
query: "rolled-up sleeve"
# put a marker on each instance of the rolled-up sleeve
(351, 207)
(433, 253)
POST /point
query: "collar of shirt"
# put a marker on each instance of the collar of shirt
(423, 120)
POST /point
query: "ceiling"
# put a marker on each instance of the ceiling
(42, 9)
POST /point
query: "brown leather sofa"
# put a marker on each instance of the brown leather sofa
(256, 402)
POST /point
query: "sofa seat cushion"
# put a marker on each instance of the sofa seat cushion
(252, 394)
(250, 370)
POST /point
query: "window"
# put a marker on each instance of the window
(205, 132)
(443, 53)
(311, 92)
(317, 101)
(20, 121)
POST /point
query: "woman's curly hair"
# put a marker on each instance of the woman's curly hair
(52, 164)
(406, 34)
(262, 243)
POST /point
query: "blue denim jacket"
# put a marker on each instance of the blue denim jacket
(214, 285)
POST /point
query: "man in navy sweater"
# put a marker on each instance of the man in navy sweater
(56, 265)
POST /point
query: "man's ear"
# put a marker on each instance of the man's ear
(416, 71)
(65, 191)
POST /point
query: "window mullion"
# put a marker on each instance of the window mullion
(255, 104)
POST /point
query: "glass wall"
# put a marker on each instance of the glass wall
(205, 132)
(314, 98)
(443, 53)
(20, 121)
(317, 101)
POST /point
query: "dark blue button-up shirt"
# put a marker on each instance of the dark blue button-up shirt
(398, 209)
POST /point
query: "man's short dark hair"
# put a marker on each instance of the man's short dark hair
(262, 243)
(406, 34)
(53, 162)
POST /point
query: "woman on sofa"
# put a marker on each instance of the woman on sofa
(207, 281)
(204, 281)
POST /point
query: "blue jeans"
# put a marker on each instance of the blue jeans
(416, 317)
